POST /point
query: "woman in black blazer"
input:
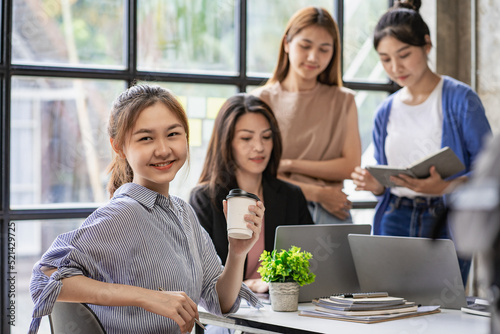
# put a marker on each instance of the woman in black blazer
(244, 152)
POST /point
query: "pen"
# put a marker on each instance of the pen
(366, 295)
(196, 320)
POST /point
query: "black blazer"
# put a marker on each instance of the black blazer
(285, 205)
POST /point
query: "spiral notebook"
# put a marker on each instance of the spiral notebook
(332, 260)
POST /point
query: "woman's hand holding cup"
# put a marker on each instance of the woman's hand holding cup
(244, 214)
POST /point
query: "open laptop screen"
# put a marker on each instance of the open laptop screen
(421, 270)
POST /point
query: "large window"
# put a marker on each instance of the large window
(63, 62)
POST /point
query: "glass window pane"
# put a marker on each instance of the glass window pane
(69, 33)
(360, 61)
(202, 103)
(265, 27)
(59, 143)
(367, 103)
(196, 36)
(32, 239)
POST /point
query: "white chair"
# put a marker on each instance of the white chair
(74, 318)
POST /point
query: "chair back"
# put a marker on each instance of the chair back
(74, 318)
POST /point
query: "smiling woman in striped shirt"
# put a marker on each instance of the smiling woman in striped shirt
(143, 238)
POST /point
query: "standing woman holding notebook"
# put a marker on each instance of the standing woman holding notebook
(429, 112)
(318, 117)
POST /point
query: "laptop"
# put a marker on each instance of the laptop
(421, 270)
(331, 262)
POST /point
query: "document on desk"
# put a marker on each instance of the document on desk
(376, 308)
(445, 160)
(370, 319)
(374, 301)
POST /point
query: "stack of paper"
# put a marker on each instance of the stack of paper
(366, 310)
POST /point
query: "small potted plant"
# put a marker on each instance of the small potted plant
(285, 271)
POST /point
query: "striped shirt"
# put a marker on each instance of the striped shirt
(139, 238)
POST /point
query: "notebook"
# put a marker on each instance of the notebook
(332, 261)
(445, 160)
(421, 270)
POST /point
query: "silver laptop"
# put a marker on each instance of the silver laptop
(332, 261)
(421, 270)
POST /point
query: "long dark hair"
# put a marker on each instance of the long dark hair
(404, 23)
(219, 169)
(306, 17)
(124, 112)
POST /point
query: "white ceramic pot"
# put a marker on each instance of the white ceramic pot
(284, 296)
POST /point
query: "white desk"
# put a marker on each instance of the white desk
(267, 321)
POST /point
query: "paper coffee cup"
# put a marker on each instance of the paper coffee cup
(237, 206)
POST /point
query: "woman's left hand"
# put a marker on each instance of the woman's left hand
(254, 222)
(433, 185)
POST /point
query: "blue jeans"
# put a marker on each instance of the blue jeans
(407, 217)
(416, 217)
(321, 216)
